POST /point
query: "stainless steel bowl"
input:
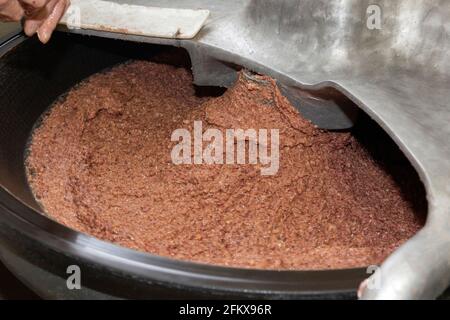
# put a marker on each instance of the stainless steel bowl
(398, 74)
(39, 250)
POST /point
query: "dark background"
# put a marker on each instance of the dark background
(11, 288)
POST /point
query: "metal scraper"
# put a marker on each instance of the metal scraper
(326, 108)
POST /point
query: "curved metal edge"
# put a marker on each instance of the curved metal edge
(401, 277)
(7, 37)
(166, 270)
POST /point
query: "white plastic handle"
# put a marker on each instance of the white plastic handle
(134, 19)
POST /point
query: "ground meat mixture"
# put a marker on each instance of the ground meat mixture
(100, 163)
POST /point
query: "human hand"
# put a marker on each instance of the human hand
(40, 16)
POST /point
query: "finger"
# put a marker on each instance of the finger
(362, 288)
(33, 23)
(10, 10)
(46, 29)
(31, 26)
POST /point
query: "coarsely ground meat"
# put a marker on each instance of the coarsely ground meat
(100, 163)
